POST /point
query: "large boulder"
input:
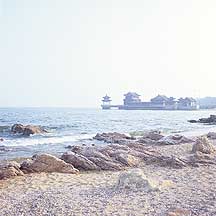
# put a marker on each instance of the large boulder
(47, 163)
(79, 161)
(113, 137)
(10, 169)
(27, 130)
(203, 145)
(174, 140)
(136, 179)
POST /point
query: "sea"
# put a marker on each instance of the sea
(70, 126)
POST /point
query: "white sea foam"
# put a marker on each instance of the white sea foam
(30, 141)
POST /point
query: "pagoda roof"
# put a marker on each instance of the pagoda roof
(106, 97)
(160, 97)
(132, 94)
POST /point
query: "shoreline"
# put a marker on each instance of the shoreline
(188, 189)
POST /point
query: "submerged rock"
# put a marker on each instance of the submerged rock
(10, 169)
(47, 163)
(192, 121)
(26, 130)
(136, 179)
(203, 145)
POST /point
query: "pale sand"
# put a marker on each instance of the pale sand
(94, 193)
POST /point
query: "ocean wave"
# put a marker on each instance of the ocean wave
(46, 140)
(5, 129)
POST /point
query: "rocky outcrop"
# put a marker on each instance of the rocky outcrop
(118, 157)
(26, 130)
(79, 161)
(203, 145)
(10, 169)
(112, 137)
(174, 140)
(47, 163)
(209, 120)
(136, 179)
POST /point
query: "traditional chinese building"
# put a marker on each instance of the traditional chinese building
(132, 101)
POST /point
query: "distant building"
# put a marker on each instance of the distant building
(131, 98)
(187, 103)
(106, 102)
(132, 101)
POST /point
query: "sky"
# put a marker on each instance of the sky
(73, 52)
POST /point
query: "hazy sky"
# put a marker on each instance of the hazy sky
(72, 52)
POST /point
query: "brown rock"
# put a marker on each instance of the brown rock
(10, 169)
(174, 140)
(47, 163)
(203, 145)
(17, 128)
(136, 179)
(153, 135)
(112, 137)
(26, 130)
(79, 161)
(179, 212)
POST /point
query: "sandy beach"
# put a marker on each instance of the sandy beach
(190, 189)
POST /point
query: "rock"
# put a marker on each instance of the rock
(211, 135)
(79, 161)
(1, 139)
(17, 128)
(174, 140)
(192, 121)
(153, 135)
(147, 141)
(179, 212)
(172, 161)
(209, 120)
(136, 179)
(203, 145)
(26, 130)
(10, 169)
(30, 129)
(118, 157)
(47, 163)
(112, 137)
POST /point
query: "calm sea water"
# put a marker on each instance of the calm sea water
(69, 126)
